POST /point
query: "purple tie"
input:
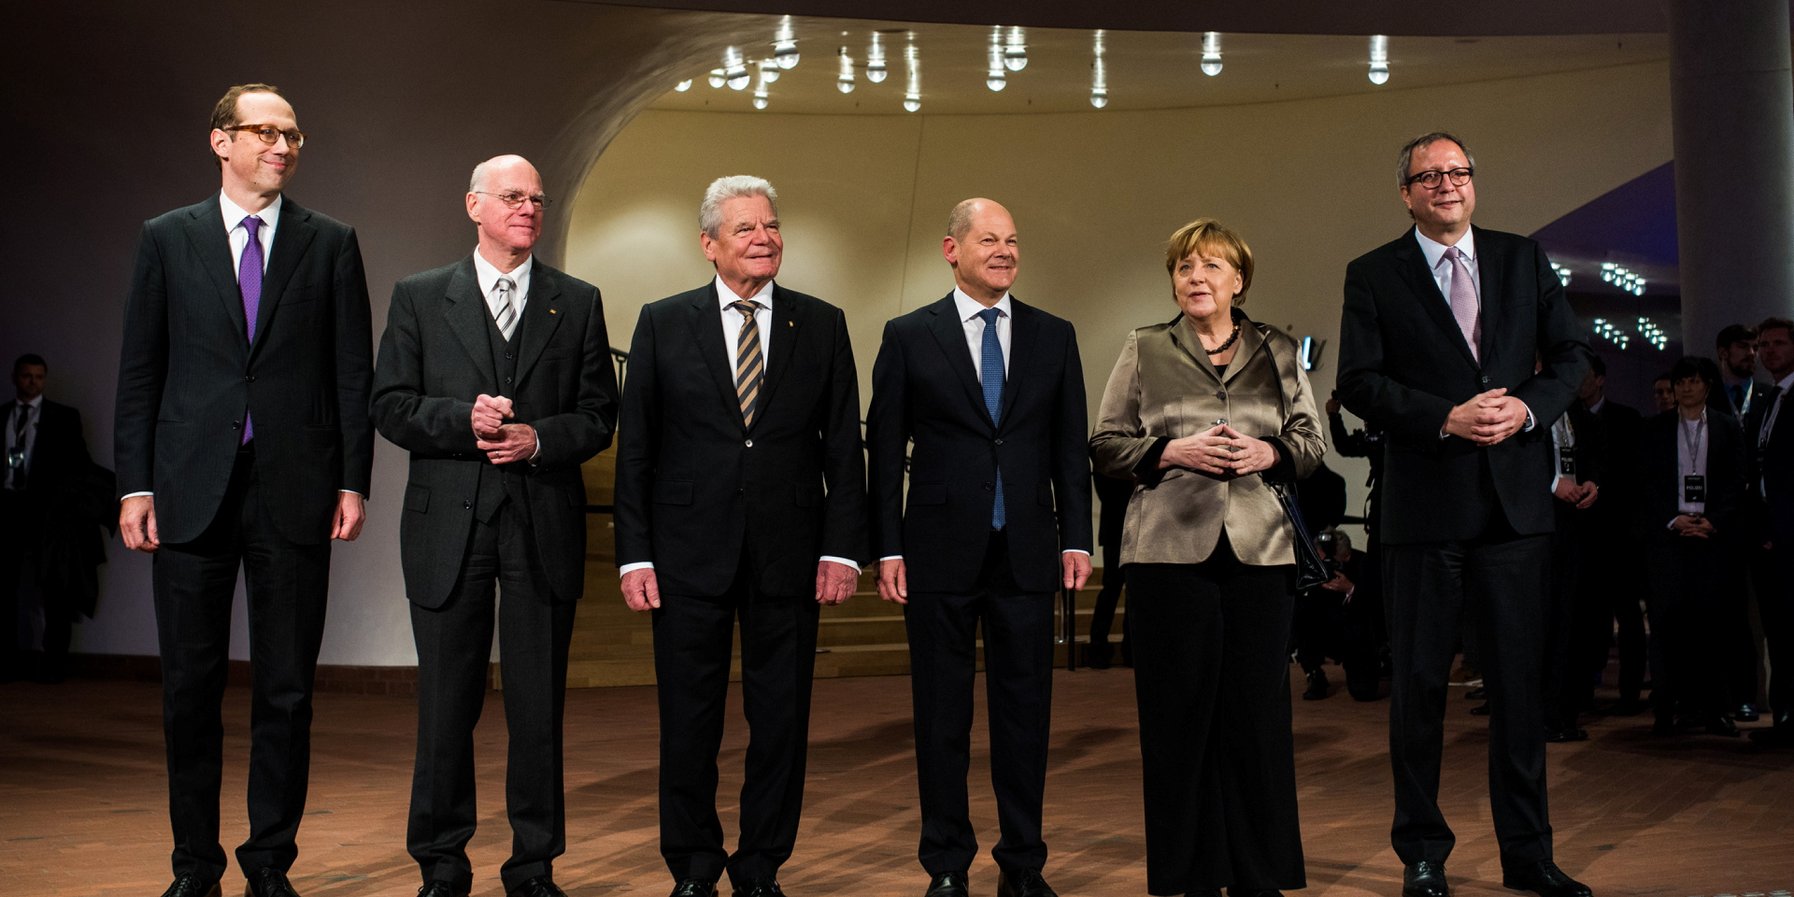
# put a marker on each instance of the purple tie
(249, 281)
(1463, 302)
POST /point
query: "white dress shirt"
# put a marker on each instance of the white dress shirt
(488, 274)
(239, 235)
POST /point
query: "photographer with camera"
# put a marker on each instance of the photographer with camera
(1342, 619)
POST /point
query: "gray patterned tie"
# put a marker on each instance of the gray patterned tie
(750, 367)
(504, 306)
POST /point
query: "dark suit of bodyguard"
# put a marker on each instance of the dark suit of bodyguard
(497, 425)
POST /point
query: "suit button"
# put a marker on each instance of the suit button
(989, 488)
(999, 441)
(236, 425)
(507, 379)
(740, 491)
(509, 356)
(1485, 381)
(466, 505)
(749, 443)
(248, 378)
(1221, 394)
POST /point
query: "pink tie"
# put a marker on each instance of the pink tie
(1463, 302)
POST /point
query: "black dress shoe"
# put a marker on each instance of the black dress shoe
(1721, 725)
(1563, 736)
(1425, 879)
(269, 882)
(947, 884)
(190, 885)
(1478, 693)
(1746, 713)
(759, 887)
(1544, 879)
(1023, 883)
(442, 889)
(540, 886)
(1317, 686)
(694, 887)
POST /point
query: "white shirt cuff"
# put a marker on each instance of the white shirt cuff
(627, 569)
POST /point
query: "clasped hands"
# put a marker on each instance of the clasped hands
(503, 443)
(1487, 417)
(1219, 450)
(1693, 526)
(1577, 495)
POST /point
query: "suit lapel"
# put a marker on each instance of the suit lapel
(787, 330)
(1183, 336)
(950, 335)
(292, 236)
(211, 243)
(1434, 304)
(707, 334)
(1251, 341)
(464, 309)
(541, 317)
(1024, 333)
(1491, 269)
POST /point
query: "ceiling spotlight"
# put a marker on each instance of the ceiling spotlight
(769, 71)
(996, 77)
(1379, 59)
(1562, 272)
(683, 86)
(735, 69)
(1099, 74)
(1015, 50)
(784, 45)
(875, 61)
(716, 78)
(760, 97)
(844, 79)
(912, 92)
(1211, 53)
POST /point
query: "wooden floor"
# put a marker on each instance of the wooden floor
(83, 803)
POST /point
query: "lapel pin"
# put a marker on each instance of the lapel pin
(554, 311)
(790, 323)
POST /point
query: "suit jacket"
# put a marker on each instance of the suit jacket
(1662, 478)
(1771, 469)
(1620, 427)
(1164, 387)
(188, 372)
(926, 391)
(698, 492)
(1404, 363)
(435, 359)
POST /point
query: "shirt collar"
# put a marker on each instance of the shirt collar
(1786, 383)
(234, 214)
(727, 296)
(488, 273)
(34, 403)
(1435, 250)
(969, 307)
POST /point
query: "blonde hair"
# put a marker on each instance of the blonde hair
(1212, 235)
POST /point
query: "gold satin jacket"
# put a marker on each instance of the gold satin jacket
(1163, 385)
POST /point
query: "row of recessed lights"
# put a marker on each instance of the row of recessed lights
(1006, 53)
(1647, 329)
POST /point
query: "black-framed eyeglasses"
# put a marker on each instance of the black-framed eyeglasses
(1431, 177)
(514, 199)
(269, 134)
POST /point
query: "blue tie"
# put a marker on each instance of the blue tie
(990, 366)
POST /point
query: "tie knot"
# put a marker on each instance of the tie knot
(252, 224)
(1455, 254)
(505, 285)
(990, 315)
(747, 307)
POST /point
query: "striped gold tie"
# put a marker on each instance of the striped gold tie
(750, 368)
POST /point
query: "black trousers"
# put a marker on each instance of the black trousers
(1773, 571)
(1691, 627)
(1498, 582)
(1572, 622)
(1211, 675)
(692, 649)
(1017, 627)
(194, 585)
(454, 645)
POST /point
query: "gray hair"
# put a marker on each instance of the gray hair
(959, 221)
(1425, 140)
(735, 186)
